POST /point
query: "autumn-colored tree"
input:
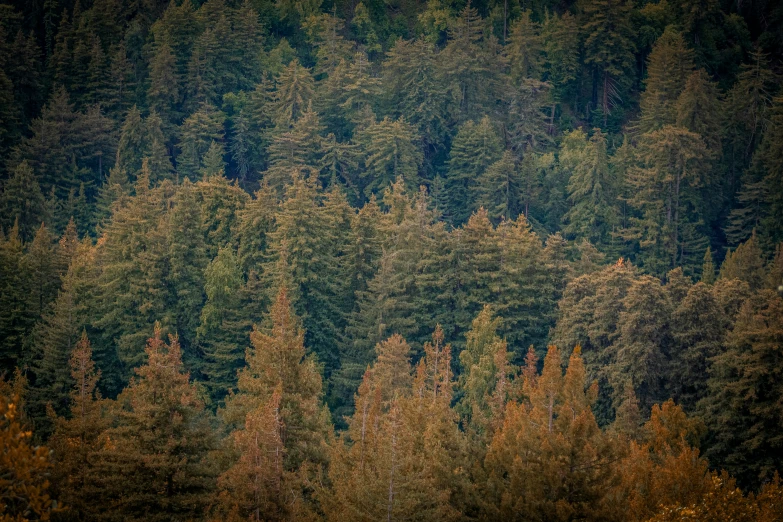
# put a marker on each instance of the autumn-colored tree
(24, 484)
(152, 463)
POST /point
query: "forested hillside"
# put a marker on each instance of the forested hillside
(391, 260)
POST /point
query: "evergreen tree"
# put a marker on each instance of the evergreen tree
(550, 460)
(497, 189)
(673, 164)
(708, 268)
(197, 133)
(295, 91)
(591, 188)
(742, 406)
(222, 334)
(609, 46)
(76, 438)
(22, 203)
(16, 317)
(413, 84)
(668, 69)
(697, 331)
(746, 263)
(474, 149)
(392, 151)
(282, 381)
(152, 464)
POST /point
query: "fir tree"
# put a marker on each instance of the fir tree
(591, 188)
(741, 408)
(669, 66)
(392, 151)
(76, 438)
(221, 335)
(475, 148)
(152, 463)
(22, 202)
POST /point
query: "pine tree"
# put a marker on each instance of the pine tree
(609, 46)
(305, 250)
(485, 372)
(198, 131)
(697, 334)
(279, 389)
(42, 271)
(474, 149)
(471, 63)
(497, 189)
(22, 202)
(742, 405)
(708, 268)
(746, 263)
(591, 188)
(295, 91)
(130, 293)
(550, 460)
(186, 260)
(643, 343)
(673, 164)
(698, 109)
(524, 50)
(16, 321)
(164, 92)
(392, 151)
(76, 438)
(413, 85)
(669, 67)
(561, 47)
(153, 463)
(222, 333)
(24, 491)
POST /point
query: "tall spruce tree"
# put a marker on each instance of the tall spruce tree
(153, 464)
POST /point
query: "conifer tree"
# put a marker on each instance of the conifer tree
(152, 464)
(475, 147)
(561, 48)
(497, 189)
(16, 321)
(742, 406)
(552, 435)
(413, 84)
(609, 46)
(22, 202)
(163, 94)
(591, 188)
(644, 340)
(485, 372)
(708, 268)
(673, 164)
(54, 338)
(279, 389)
(198, 132)
(24, 490)
(697, 334)
(305, 250)
(295, 91)
(392, 151)
(471, 63)
(524, 49)
(130, 292)
(75, 438)
(669, 66)
(222, 334)
(746, 263)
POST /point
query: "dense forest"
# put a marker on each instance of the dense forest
(391, 260)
